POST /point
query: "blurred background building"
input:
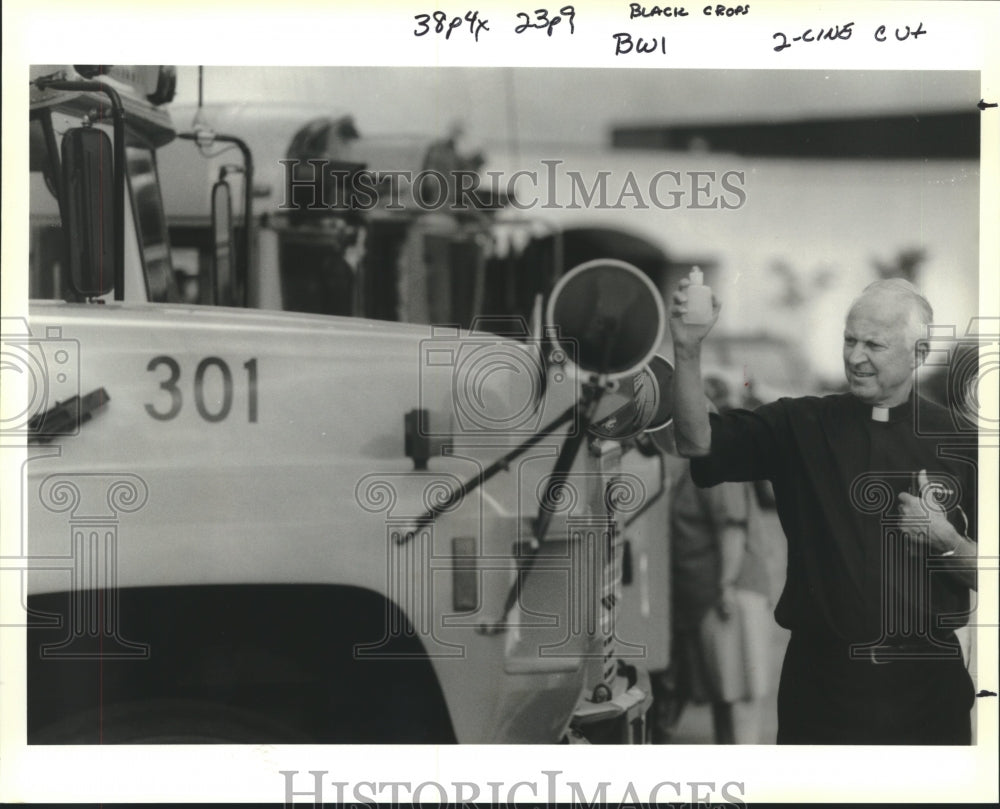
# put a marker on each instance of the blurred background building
(846, 177)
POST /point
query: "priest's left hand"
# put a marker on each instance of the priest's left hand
(941, 536)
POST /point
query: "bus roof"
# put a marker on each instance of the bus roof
(141, 88)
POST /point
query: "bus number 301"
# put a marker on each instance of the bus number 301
(212, 409)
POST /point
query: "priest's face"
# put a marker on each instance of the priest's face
(879, 358)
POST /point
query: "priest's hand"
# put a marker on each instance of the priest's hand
(688, 336)
(941, 537)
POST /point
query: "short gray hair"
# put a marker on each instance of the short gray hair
(903, 289)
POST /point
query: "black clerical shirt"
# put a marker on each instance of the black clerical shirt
(836, 473)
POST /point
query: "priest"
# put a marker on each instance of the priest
(875, 490)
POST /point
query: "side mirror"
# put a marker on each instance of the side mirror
(662, 370)
(624, 412)
(642, 403)
(223, 286)
(88, 176)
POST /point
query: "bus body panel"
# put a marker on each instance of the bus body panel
(293, 474)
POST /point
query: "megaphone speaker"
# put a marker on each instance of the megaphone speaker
(611, 313)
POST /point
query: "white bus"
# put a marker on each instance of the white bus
(251, 525)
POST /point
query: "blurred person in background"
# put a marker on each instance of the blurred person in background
(873, 657)
(721, 616)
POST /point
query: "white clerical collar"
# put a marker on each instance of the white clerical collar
(880, 413)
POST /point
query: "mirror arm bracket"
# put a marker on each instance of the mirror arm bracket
(247, 204)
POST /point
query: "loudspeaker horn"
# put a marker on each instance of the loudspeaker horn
(609, 316)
